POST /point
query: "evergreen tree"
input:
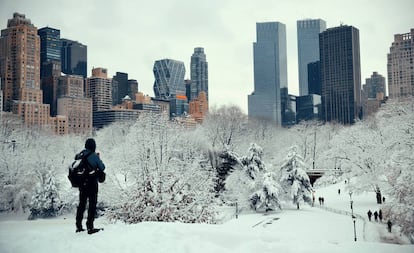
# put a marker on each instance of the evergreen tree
(46, 202)
(294, 180)
(253, 186)
(228, 161)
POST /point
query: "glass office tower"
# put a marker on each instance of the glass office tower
(169, 84)
(50, 46)
(270, 72)
(340, 74)
(308, 48)
(199, 73)
(74, 58)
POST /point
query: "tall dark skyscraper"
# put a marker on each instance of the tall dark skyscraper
(199, 73)
(169, 84)
(314, 78)
(132, 88)
(308, 48)
(270, 72)
(119, 87)
(340, 74)
(50, 47)
(74, 58)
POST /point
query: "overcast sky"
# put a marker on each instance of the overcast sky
(129, 35)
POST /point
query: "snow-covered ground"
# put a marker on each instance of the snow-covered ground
(310, 229)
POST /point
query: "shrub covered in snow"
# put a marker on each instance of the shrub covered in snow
(46, 202)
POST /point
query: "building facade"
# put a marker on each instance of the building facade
(99, 89)
(199, 73)
(198, 107)
(78, 112)
(119, 87)
(308, 48)
(132, 88)
(308, 107)
(74, 57)
(314, 78)
(20, 71)
(374, 86)
(270, 72)
(50, 47)
(169, 84)
(340, 74)
(49, 84)
(400, 66)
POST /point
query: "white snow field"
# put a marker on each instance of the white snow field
(310, 229)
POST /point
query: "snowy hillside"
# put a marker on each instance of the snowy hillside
(310, 229)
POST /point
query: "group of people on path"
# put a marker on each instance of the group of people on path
(378, 216)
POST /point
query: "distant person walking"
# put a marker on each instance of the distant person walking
(323, 200)
(369, 215)
(320, 200)
(376, 216)
(383, 200)
(380, 215)
(339, 191)
(389, 225)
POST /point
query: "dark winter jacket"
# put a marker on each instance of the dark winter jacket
(94, 161)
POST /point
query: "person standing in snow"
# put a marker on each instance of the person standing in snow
(369, 215)
(376, 216)
(380, 215)
(89, 191)
(389, 225)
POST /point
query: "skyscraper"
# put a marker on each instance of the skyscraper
(169, 78)
(400, 66)
(50, 47)
(20, 71)
(308, 48)
(99, 89)
(169, 84)
(74, 58)
(119, 87)
(270, 72)
(199, 73)
(340, 74)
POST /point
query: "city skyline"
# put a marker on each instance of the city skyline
(129, 37)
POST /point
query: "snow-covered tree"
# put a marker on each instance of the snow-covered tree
(168, 180)
(227, 162)
(294, 180)
(46, 201)
(252, 186)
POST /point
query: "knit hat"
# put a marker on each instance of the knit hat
(90, 144)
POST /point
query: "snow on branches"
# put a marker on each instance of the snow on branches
(294, 180)
(252, 185)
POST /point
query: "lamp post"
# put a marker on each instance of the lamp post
(352, 214)
(354, 220)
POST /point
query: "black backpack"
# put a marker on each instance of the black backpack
(80, 171)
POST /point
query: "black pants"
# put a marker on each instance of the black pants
(88, 192)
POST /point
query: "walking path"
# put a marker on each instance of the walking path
(340, 204)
